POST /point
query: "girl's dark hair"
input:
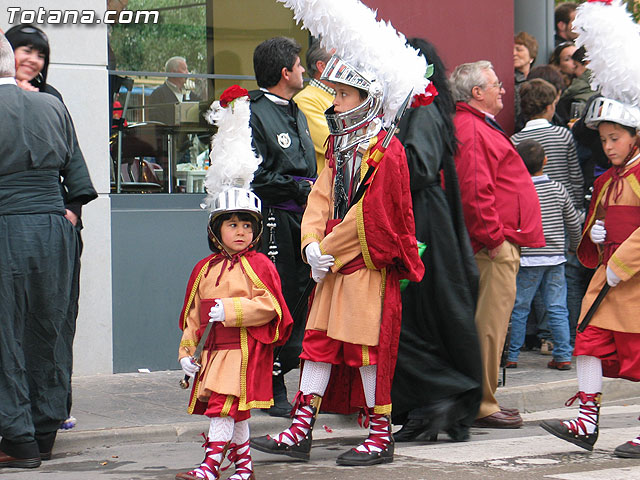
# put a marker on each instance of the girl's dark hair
(444, 100)
(28, 35)
(216, 225)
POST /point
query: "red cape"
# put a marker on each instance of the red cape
(588, 253)
(256, 343)
(389, 228)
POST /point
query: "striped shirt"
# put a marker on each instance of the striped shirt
(562, 158)
(558, 213)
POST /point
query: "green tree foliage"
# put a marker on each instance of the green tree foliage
(180, 31)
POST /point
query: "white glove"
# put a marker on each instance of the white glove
(598, 233)
(318, 274)
(216, 314)
(612, 278)
(316, 259)
(188, 367)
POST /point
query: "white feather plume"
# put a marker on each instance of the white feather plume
(369, 45)
(612, 41)
(233, 160)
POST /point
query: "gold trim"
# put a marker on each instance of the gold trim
(622, 266)
(382, 409)
(311, 235)
(188, 343)
(365, 356)
(633, 183)
(237, 307)
(362, 236)
(192, 295)
(226, 408)
(244, 348)
(337, 263)
(383, 284)
(258, 283)
(194, 398)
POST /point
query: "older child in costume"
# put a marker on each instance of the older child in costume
(358, 247)
(610, 344)
(238, 290)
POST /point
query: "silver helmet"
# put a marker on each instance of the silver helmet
(359, 123)
(235, 200)
(607, 110)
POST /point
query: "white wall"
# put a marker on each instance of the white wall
(78, 70)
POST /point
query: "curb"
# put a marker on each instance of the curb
(553, 395)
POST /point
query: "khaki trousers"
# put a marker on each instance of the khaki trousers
(496, 297)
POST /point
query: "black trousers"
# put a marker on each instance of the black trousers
(39, 288)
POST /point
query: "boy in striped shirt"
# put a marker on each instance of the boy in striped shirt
(542, 269)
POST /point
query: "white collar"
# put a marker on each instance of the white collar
(8, 81)
(274, 98)
(535, 124)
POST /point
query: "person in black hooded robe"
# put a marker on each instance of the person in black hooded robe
(438, 378)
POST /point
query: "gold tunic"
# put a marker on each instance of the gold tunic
(245, 305)
(619, 309)
(347, 307)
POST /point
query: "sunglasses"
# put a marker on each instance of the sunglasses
(33, 30)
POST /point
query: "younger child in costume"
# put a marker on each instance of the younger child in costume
(238, 289)
(610, 344)
(358, 246)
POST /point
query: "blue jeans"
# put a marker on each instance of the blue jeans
(551, 282)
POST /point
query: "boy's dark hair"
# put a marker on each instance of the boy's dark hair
(548, 73)
(532, 155)
(216, 225)
(535, 96)
(271, 56)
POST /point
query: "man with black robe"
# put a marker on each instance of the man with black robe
(39, 266)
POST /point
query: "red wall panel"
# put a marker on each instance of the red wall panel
(462, 31)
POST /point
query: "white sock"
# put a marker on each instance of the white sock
(221, 429)
(589, 374)
(315, 377)
(368, 376)
(240, 432)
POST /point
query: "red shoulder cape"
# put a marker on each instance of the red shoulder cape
(256, 343)
(588, 252)
(387, 215)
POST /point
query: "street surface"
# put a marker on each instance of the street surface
(526, 453)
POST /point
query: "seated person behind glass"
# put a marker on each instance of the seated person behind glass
(166, 96)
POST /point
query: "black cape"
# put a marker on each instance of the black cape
(439, 371)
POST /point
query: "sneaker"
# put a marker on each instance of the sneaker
(546, 347)
(559, 365)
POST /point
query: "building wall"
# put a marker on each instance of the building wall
(462, 31)
(78, 70)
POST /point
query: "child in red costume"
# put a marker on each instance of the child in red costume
(237, 292)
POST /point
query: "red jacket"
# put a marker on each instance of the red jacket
(498, 197)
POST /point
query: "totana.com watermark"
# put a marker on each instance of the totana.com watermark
(41, 16)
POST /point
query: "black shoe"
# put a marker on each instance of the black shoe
(353, 458)
(415, 430)
(19, 455)
(45, 444)
(560, 430)
(301, 450)
(627, 450)
(281, 406)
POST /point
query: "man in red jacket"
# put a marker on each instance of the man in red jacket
(502, 214)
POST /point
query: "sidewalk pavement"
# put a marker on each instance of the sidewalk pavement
(151, 407)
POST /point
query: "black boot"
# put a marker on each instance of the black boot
(575, 431)
(378, 447)
(306, 410)
(281, 406)
(45, 444)
(19, 455)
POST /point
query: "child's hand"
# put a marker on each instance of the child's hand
(216, 314)
(188, 366)
(612, 278)
(598, 233)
